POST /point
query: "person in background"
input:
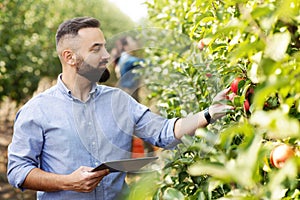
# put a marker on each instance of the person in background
(127, 65)
(61, 134)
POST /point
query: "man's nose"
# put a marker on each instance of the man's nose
(106, 55)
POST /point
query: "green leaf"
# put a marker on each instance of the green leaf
(276, 45)
(266, 90)
(287, 10)
(276, 123)
(187, 140)
(261, 11)
(182, 176)
(275, 186)
(216, 170)
(245, 50)
(172, 194)
(245, 165)
(269, 66)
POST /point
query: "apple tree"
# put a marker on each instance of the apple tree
(205, 46)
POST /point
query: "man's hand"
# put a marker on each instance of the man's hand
(219, 108)
(83, 180)
(189, 124)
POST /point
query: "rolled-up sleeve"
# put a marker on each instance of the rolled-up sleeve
(25, 148)
(156, 129)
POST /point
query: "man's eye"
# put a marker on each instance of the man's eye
(97, 49)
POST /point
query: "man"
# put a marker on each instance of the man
(63, 133)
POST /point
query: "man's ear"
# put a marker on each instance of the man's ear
(69, 57)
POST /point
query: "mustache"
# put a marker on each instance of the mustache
(104, 62)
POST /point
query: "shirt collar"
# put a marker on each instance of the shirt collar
(94, 89)
(62, 87)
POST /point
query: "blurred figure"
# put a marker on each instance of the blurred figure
(126, 64)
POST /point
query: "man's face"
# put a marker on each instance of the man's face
(92, 55)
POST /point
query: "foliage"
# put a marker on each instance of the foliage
(27, 30)
(256, 40)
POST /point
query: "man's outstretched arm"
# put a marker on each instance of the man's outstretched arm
(189, 124)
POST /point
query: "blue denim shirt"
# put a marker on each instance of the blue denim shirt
(58, 133)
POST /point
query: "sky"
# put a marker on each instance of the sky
(133, 8)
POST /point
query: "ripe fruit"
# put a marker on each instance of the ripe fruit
(201, 44)
(280, 154)
(235, 84)
(246, 105)
(208, 75)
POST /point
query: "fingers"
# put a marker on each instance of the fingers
(95, 174)
(83, 180)
(219, 106)
(100, 173)
(221, 95)
(85, 169)
(227, 109)
(219, 110)
(227, 90)
(92, 184)
(96, 178)
(223, 108)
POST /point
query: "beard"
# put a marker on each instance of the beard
(93, 74)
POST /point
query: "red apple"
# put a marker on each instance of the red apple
(208, 75)
(246, 105)
(235, 84)
(280, 154)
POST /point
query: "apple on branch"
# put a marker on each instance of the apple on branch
(234, 86)
(280, 154)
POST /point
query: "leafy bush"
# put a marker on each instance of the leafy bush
(256, 40)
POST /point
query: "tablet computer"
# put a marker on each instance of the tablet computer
(126, 165)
